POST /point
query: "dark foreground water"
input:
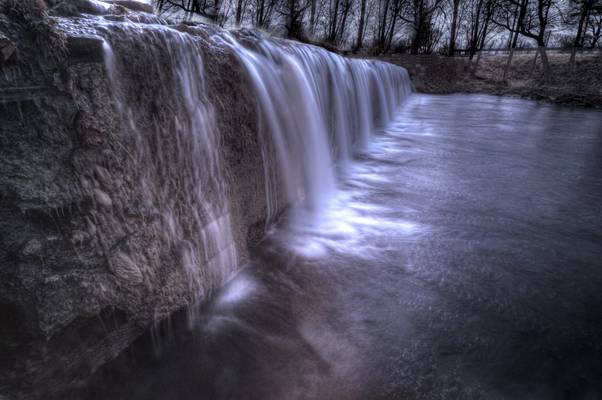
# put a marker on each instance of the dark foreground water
(462, 259)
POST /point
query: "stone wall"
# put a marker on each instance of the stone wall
(85, 262)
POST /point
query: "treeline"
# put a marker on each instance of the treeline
(413, 26)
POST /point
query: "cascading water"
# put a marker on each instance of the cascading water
(319, 109)
(181, 167)
(315, 110)
(434, 258)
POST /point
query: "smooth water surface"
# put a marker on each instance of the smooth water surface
(460, 259)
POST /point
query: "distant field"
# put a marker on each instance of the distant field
(581, 85)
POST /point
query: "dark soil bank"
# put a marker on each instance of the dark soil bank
(577, 85)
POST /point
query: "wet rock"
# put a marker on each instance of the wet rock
(65, 9)
(89, 130)
(32, 247)
(103, 176)
(116, 18)
(81, 234)
(102, 198)
(78, 237)
(125, 269)
(132, 5)
(74, 8)
(85, 49)
(7, 48)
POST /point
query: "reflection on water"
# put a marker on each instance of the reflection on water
(461, 258)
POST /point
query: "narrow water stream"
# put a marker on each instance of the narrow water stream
(460, 258)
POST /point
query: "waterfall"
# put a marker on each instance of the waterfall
(146, 158)
(319, 108)
(315, 110)
(172, 125)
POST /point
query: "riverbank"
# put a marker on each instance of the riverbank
(581, 85)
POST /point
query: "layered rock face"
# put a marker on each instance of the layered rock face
(123, 197)
(134, 176)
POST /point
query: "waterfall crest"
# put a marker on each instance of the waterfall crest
(318, 108)
(315, 109)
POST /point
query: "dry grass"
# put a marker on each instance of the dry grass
(581, 85)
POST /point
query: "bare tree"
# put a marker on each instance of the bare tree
(264, 10)
(581, 9)
(189, 7)
(419, 16)
(388, 17)
(509, 15)
(240, 9)
(454, 27)
(345, 10)
(488, 12)
(480, 15)
(595, 29)
(293, 12)
(361, 26)
(533, 19)
(312, 16)
(333, 18)
(421, 26)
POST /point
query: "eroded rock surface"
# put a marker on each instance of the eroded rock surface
(88, 261)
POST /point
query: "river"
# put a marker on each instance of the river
(460, 258)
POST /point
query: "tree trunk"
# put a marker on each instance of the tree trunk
(312, 17)
(391, 32)
(360, 31)
(417, 36)
(416, 41)
(341, 31)
(534, 65)
(511, 41)
(596, 34)
(546, 65)
(483, 40)
(572, 58)
(452, 34)
(514, 37)
(333, 22)
(507, 68)
(577, 42)
(382, 29)
(474, 43)
(239, 7)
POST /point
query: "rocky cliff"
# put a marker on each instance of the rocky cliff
(100, 232)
